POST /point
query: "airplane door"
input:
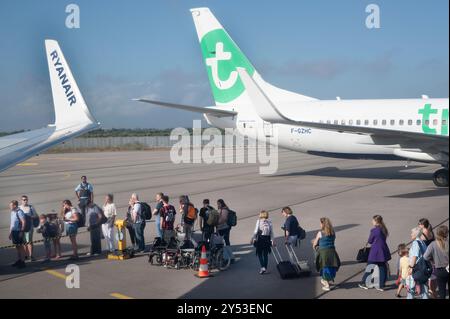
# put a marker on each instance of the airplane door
(268, 129)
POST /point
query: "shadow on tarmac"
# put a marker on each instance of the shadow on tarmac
(435, 192)
(392, 172)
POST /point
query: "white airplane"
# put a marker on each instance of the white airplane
(410, 129)
(72, 116)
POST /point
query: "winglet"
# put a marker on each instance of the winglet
(260, 101)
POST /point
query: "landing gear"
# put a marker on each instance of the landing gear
(440, 177)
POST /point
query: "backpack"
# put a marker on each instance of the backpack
(213, 217)
(191, 214)
(232, 218)
(50, 230)
(146, 211)
(35, 217)
(264, 227)
(81, 220)
(422, 269)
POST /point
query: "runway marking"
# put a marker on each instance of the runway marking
(120, 296)
(56, 274)
(27, 164)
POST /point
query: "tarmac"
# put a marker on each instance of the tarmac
(349, 192)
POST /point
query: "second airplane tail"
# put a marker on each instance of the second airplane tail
(222, 57)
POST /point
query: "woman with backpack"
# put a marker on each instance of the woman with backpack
(223, 228)
(71, 216)
(416, 252)
(437, 251)
(263, 240)
(379, 252)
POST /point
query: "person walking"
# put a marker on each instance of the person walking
(379, 253)
(437, 252)
(110, 211)
(327, 258)
(290, 227)
(263, 240)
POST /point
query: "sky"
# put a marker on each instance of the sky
(129, 49)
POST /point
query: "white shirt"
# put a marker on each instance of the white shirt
(110, 210)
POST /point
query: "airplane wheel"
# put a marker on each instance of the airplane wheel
(440, 178)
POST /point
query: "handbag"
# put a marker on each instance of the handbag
(363, 255)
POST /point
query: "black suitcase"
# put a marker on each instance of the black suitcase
(285, 268)
(301, 266)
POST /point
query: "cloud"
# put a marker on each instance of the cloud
(28, 102)
(332, 68)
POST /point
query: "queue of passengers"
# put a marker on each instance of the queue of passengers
(99, 222)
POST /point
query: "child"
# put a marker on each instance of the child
(59, 224)
(403, 268)
(44, 230)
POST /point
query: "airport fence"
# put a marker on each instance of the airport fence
(124, 143)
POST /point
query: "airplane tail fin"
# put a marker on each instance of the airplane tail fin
(222, 58)
(70, 107)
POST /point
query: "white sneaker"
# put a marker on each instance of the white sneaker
(326, 288)
(323, 282)
(380, 289)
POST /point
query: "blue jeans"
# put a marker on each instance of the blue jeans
(383, 273)
(158, 226)
(139, 231)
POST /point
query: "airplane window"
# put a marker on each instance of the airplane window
(375, 122)
(392, 122)
(435, 122)
(358, 122)
(410, 122)
(419, 122)
(444, 122)
(384, 122)
(350, 122)
(427, 122)
(366, 122)
(343, 122)
(401, 122)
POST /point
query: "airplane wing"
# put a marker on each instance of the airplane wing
(210, 110)
(269, 112)
(72, 116)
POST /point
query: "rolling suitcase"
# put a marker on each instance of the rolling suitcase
(285, 268)
(301, 266)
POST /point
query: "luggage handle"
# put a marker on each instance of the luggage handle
(293, 255)
(276, 251)
(291, 252)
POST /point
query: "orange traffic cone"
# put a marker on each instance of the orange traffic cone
(203, 271)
